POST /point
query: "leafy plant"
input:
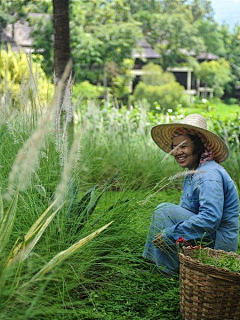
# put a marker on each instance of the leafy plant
(20, 73)
(169, 95)
(13, 259)
(225, 260)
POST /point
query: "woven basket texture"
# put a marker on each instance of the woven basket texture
(206, 291)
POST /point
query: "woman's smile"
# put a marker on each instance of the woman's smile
(183, 151)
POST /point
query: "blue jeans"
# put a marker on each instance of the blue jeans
(165, 215)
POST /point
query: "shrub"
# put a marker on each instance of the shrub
(20, 74)
(85, 90)
(215, 74)
(155, 76)
(168, 96)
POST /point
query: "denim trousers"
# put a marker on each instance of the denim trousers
(165, 215)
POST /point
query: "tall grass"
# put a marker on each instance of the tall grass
(18, 242)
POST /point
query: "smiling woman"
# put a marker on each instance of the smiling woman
(186, 151)
(209, 206)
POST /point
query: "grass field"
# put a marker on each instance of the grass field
(116, 174)
(216, 109)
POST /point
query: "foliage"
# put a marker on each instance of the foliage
(19, 73)
(87, 91)
(224, 261)
(213, 39)
(108, 31)
(229, 130)
(154, 75)
(172, 33)
(201, 10)
(12, 11)
(102, 34)
(231, 44)
(42, 31)
(168, 96)
(120, 83)
(215, 74)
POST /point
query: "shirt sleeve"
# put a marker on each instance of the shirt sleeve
(208, 218)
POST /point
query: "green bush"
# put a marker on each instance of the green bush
(155, 76)
(85, 90)
(23, 80)
(215, 74)
(168, 96)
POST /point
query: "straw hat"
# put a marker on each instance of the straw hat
(163, 134)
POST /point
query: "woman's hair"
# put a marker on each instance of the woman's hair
(198, 145)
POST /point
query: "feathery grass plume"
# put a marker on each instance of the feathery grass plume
(166, 182)
(63, 112)
(63, 255)
(68, 166)
(67, 105)
(183, 174)
(27, 158)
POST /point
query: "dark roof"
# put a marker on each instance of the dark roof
(145, 51)
(207, 56)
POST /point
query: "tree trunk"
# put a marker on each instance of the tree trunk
(62, 53)
(62, 57)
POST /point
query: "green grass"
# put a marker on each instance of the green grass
(216, 110)
(108, 278)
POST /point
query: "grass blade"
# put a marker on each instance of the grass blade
(7, 222)
(63, 255)
(21, 251)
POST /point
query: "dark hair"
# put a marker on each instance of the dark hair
(198, 144)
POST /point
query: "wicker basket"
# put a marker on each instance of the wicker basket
(206, 291)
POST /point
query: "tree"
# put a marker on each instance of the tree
(42, 31)
(62, 53)
(215, 74)
(151, 6)
(11, 11)
(170, 34)
(201, 9)
(232, 54)
(155, 76)
(101, 33)
(212, 37)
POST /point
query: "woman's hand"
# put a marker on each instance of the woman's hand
(159, 243)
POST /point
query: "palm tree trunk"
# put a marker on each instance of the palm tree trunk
(62, 56)
(62, 53)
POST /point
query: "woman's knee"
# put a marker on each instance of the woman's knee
(161, 213)
(164, 208)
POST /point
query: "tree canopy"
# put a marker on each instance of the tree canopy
(107, 31)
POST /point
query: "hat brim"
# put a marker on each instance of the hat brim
(163, 135)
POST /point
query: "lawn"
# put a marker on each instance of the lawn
(216, 109)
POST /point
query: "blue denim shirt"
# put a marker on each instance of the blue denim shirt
(210, 193)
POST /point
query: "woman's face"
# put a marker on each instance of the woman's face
(184, 152)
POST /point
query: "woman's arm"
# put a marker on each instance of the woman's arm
(211, 201)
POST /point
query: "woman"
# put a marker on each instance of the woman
(209, 206)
